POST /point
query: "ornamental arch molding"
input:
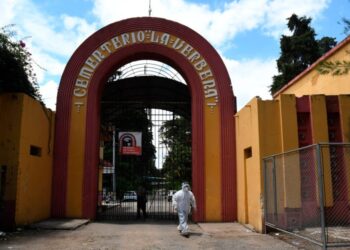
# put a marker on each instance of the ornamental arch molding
(78, 115)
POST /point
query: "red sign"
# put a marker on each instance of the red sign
(130, 143)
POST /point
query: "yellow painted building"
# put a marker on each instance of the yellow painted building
(26, 149)
(265, 128)
(311, 82)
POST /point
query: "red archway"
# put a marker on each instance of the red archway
(69, 111)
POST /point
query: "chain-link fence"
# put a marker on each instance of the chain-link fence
(307, 193)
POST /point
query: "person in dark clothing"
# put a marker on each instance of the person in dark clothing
(141, 202)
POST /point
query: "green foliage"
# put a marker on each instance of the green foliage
(335, 68)
(347, 26)
(176, 135)
(325, 44)
(298, 51)
(131, 169)
(16, 72)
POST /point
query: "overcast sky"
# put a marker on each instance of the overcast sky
(246, 33)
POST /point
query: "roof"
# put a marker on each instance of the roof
(314, 65)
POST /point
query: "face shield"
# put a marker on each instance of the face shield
(186, 187)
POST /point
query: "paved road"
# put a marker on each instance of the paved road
(145, 235)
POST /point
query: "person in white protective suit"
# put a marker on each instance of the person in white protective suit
(183, 201)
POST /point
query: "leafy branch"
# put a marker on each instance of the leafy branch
(16, 65)
(335, 68)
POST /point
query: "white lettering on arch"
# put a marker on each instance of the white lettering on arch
(119, 41)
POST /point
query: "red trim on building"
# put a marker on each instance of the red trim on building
(303, 104)
(307, 161)
(332, 104)
(229, 163)
(123, 56)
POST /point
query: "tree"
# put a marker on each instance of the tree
(176, 135)
(298, 51)
(325, 44)
(16, 72)
(346, 22)
(131, 169)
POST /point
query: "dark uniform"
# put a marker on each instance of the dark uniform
(141, 202)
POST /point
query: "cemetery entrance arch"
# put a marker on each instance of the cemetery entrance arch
(213, 106)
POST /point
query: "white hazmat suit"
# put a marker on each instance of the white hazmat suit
(183, 201)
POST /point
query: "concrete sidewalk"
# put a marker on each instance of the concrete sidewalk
(142, 235)
(60, 224)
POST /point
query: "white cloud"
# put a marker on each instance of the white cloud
(251, 78)
(49, 94)
(220, 25)
(54, 38)
(216, 25)
(46, 65)
(77, 30)
(60, 41)
(50, 42)
(278, 11)
(46, 32)
(8, 11)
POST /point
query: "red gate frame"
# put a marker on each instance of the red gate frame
(125, 55)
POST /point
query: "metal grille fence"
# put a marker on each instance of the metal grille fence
(158, 171)
(307, 193)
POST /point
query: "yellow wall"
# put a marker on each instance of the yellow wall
(257, 128)
(317, 86)
(270, 143)
(313, 83)
(76, 154)
(319, 127)
(289, 141)
(29, 124)
(270, 127)
(10, 120)
(246, 131)
(212, 166)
